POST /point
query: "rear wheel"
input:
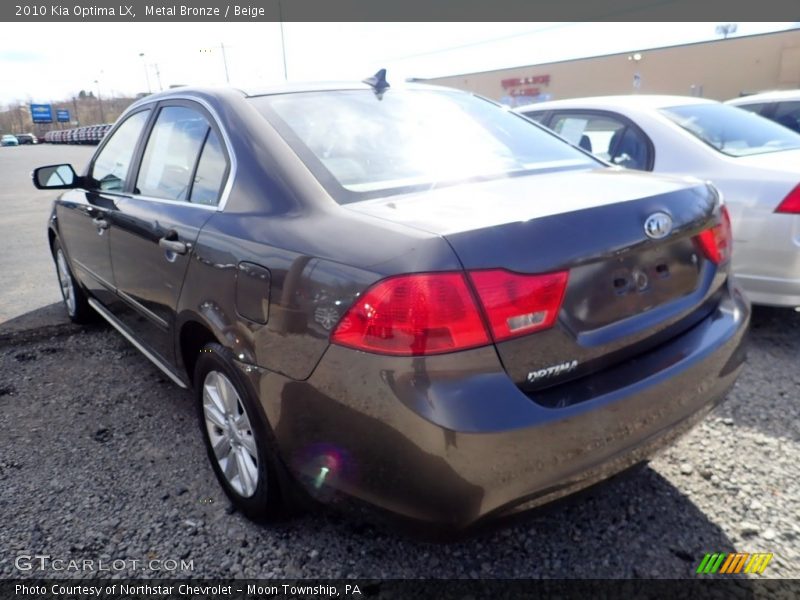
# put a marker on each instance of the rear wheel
(75, 299)
(237, 437)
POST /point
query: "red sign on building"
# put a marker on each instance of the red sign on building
(518, 81)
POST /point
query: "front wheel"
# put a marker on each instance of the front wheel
(75, 299)
(236, 436)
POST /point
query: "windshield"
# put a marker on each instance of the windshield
(731, 130)
(360, 146)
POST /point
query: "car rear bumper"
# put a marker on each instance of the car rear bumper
(451, 440)
(770, 291)
(767, 261)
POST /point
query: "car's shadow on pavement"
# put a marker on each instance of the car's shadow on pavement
(637, 525)
(105, 459)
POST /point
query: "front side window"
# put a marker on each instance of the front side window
(360, 145)
(731, 130)
(171, 153)
(110, 168)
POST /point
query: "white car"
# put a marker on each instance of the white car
(782, 107)
(754, 162)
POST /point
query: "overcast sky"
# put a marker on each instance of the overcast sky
(40, 62)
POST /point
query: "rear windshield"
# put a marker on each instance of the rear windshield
(731, 130)
(361, 146)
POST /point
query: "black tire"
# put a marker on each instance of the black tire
(267, 502)
(78, 310)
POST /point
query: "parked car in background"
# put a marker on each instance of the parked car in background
(27, 138)
(407, 296)
(782, 107)
(9, 140)
(754, 162)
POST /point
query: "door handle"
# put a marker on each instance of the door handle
(176, 246)
(100, 223)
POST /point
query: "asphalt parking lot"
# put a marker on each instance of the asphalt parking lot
(102, 460)
(25, 264)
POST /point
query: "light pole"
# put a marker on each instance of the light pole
(225, 62)
(224, 58)
(146, 74)
(158, 77)
(283, 41)
(100, 102)
(726, 29)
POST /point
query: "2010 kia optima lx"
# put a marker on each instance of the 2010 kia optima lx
(410, 296)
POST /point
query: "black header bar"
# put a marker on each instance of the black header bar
(395, 10)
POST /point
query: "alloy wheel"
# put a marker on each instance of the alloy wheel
(230, 433)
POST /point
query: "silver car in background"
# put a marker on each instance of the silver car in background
(780, 106)
(753, 161)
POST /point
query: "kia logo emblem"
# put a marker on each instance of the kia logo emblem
(658, 225)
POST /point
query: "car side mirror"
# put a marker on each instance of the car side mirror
(55, 177)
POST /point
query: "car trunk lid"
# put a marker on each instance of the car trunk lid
(626, 291)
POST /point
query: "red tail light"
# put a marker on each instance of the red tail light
(717, 241)
(412, 315)
(518, 304)
(790, 204)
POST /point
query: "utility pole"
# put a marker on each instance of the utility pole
(158, 77)
(726, 29)
(225, 62)
(224, 58)
(283, 41)
(146, 74)
(100, 102)
(18, 110)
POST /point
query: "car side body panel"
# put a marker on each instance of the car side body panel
(83, 221)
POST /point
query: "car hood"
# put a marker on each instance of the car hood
(467, 207)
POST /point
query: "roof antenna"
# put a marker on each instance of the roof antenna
(378, 83)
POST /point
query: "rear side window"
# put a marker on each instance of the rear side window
(171, 153)
(732, 131)
(756, 108)
(211, 171)
(110, 168)
(607, 137)
(788, 115)
(535, 116)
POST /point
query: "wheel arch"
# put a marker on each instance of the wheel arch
(193, 334)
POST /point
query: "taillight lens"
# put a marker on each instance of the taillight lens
(790, 204)
(717, 241)
(432, 313)
(518, 304)
(412, 315)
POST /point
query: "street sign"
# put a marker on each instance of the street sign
(62, 115)
(41, 113)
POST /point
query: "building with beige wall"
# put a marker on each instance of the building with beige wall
(720, 69)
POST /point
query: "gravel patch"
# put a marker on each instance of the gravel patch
(101, 459)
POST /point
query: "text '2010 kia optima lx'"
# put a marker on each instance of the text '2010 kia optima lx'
(409, 296)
